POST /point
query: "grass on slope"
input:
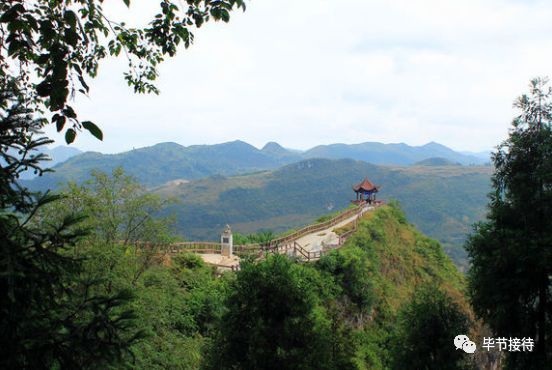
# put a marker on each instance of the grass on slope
(398, 259)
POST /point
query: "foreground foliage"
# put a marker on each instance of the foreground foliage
(51, 315)
(510, 251)
(426, 326)
(54, 47)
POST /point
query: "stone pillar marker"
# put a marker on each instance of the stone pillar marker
(227, 242)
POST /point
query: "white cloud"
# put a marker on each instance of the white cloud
(317, 71)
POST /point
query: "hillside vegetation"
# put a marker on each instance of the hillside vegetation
(396, 261)
(442, 201)
(364, 306)
(356, 308)
(437, 161)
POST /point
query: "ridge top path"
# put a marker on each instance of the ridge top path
(313, 242)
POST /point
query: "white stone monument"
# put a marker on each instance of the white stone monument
(227, 242)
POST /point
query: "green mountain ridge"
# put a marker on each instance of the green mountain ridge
(352, 305)
(157, 164)
(160, 163)
(390, 154)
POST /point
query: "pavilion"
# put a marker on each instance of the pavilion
(365, 192)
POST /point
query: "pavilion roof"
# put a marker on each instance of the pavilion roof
(365, 185)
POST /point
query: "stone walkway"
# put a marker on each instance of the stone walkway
(313, 242)
(219, 260)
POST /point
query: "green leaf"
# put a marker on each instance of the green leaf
(43, 58)
(12, 13)
(127, 3)
(83, 83)
(94, 130)
(60, 122)
(69, 112)
(44, 88)
(70, 17)
(71, 37)
(70, 135)
(225, 15)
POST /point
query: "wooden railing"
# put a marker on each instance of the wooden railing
(196, 247)
(247, 248)
(317, 227)
(282, 245)
(343, 237)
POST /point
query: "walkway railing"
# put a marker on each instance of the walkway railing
(317, 227)
(283, 245)
(196, 247)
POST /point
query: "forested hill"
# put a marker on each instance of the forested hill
(391, 154)
(442, 201)
(368, 305)
(163, 162)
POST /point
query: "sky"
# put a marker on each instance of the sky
(310, 72)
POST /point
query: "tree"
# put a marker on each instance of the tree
(125, 250)
(54, 47)
(351, 272)
(274, 320)
(123, 219)
(50, 316)
(426, 328)
(510, 254)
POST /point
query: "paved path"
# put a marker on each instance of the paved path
(313, 242)
(220, 260)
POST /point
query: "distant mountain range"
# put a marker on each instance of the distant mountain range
(57, 155)
(155, 165)
(391, 154)
(484, 155)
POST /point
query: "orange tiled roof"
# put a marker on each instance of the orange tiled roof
(365, 185)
